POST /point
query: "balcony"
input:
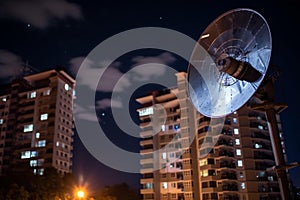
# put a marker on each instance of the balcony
(230, 187)
(146, 142)
(229, 175)
(268, 188)
(146, 170)
(145, 161)
(222, 141)
(230, 197)
(262, 155)
(146, 151)
(226, 153)
(226, 132)
(146, 191)
(260, 135)
(227, 164)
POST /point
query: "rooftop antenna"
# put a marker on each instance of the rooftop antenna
(28, 69)
(239, 46)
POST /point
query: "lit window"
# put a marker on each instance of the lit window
(146, 111)
(234, 120)
(203, 162)
(67, 87)
(28, 128)
(31, 95)
(40, 162)
(33, 163)
(165, 185)
(260, 127)
(176, 127)
(237, 141)
(234, 112)
(25, 154)
(46, 92)
(4, 99)
(163, 128)
(281, 135)
(33, 154)
(57, 143)
(1, 121)
(41, 171)
(240, 163)
(164, 155)
(204, 173)
(257, 146)
(261, 174)
(37, 135)
(238, 152)
(270, 178)
(241, 175)
(148, 185)
(236, 131)
(41, 143)
(44, 116)
(243, 186)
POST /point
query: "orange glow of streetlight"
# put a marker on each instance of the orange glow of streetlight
(80, 194)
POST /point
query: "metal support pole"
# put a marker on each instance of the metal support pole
(278, 153)
(271, 109)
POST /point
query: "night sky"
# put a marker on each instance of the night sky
(50, 33)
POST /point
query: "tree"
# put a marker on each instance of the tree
(17, 193)
(117, 192)
(51, 186)
(26, 185)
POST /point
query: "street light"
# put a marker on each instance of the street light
(80, 194)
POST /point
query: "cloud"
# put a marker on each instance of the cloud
(164, 58)
(40, 13)
(107, 103)
(148, 72)
(112, 80)
(75, 64)
(109, 75)
(85, 113)
(10, 65)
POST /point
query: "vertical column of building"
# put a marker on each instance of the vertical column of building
(159, 163)
(146, 152)
(256, 155)
(227, 147)
(167, 145)
(6, 131)
(23, 121)
(217, 162)
(188, 115)
(63, 127)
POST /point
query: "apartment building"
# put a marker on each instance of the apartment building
(36, 123)
(186, 155)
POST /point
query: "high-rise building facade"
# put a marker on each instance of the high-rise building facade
(186, 155)
(36, 123)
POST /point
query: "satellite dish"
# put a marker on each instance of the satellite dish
(237, 48)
